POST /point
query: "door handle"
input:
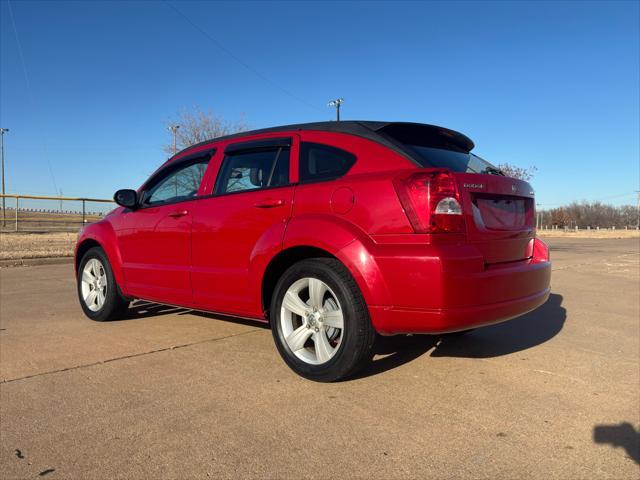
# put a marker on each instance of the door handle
(179, 213)
(270, 203)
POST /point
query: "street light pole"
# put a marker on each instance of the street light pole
(638, 208)
(4, 210)
(174, 129)
(336, 103)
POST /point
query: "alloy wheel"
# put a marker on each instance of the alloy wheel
(94, 284)
(312, 321)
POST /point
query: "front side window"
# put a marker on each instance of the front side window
(179, 185)
(322, 162)
(251, 170)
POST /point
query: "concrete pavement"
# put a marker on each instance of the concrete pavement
(176, 394)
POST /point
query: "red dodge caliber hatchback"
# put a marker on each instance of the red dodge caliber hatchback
(331, 232)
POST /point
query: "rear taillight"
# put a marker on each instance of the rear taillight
(431, 202)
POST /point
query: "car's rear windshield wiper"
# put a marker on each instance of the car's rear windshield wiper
(493, 171)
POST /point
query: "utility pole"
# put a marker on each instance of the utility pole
(4, 210)
(336, 103)
(638, 220)
(174, 130)
(538, 216)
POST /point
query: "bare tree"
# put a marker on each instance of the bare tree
(197, 126)
(593, 214)
(514, 171)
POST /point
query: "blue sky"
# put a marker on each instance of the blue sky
(550, 84)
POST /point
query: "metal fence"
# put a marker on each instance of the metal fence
(588, 228)
(37, 213)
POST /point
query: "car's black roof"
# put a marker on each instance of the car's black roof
(373, 130)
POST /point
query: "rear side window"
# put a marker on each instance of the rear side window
(321, 162)
(252, 170)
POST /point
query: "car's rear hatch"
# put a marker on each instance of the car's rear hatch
(499, 210)
(500, 216)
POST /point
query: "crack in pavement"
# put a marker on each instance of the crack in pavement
(124, 357)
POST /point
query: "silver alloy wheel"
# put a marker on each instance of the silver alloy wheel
(312, 321)
(94, 284)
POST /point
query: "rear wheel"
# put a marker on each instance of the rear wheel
(320, 321)
(98, 292)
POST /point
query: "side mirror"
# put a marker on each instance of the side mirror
(126, 198)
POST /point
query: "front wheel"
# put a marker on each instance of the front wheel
(98, 292)
(320, 321)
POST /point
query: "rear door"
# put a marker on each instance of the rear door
(244, 219)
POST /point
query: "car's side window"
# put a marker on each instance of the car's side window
(251, 170)
(178, 185)
(322, 162)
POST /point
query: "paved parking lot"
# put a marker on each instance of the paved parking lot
(176, 394)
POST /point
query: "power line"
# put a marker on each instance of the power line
(30, 94)
(615, 196)
(239, 60)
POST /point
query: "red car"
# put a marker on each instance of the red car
(332, 232)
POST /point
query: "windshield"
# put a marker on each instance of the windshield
(455, 161)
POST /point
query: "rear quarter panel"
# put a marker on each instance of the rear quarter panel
(347, 243)
(339, 216)
(365, 196)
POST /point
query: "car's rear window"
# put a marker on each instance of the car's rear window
(455, 161)
(433, 147)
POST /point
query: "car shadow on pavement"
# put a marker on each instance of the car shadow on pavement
(227, 318)
(623, 435)
(513, 336)
(143, 309)
(392, 352)
(519, 334)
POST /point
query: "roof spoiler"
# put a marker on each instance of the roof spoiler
(422, 134)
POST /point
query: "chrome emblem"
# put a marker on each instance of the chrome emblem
(514, 188)
(473, 185)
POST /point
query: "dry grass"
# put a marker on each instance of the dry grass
(47, 221)
(590, 233)
(15, 246)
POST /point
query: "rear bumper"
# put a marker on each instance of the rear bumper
(451, 289)
(395, 320)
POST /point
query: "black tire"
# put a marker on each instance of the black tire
(356, 347)
(115, 305)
